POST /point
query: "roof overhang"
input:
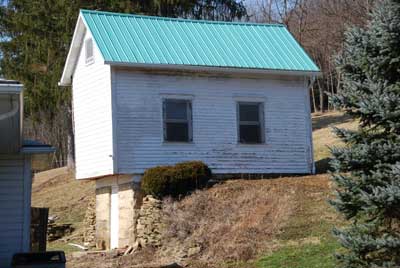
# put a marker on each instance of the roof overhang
(10, 86)
(214, 69)
(35, 147)
(77, 41)
(73, 53)
(40, 154)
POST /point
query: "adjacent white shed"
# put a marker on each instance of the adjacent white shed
(16, 157)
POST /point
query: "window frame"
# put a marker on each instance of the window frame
(89, 59)
(260, 123)
(188, 120)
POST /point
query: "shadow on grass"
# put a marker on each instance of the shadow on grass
(323, 121)
(322, 166)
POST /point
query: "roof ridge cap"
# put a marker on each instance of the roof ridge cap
(182, 19)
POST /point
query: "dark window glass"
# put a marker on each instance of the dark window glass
(249, 112)
(250, 121)
(250, 134)
(177, 132)
(177, 120)
(176, 110)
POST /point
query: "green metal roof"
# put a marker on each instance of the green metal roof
(134, 39)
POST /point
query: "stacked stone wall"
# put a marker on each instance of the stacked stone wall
(89, 223)
(149, 223)
(140, 218)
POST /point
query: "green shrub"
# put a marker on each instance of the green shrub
(156, 180)
(175, 180)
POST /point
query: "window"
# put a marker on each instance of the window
(89, 50)
(177, 120)
(250, 122)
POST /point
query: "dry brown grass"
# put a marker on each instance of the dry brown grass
(228, 220)
(234, 221)
(66, 198)
(238, 219)
(323, 137)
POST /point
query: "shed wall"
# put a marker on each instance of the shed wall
(92, 116)
(139, 129)
(15, 181)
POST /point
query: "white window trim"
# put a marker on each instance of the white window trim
(189, 100)
(261, 122)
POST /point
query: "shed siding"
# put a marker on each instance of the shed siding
(139, 131)
(92, 116)
(12, 206)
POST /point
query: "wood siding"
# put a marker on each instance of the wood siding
(15, 180)
(92, 116)
(139, 128)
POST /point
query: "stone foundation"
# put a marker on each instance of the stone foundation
(149, 223)
(127, 214)
(89, 222)
(129, 200)
(139, 219)
(103, 203)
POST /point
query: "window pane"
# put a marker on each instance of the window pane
(250, 134)
(176, 109)
(249, 112)
(177, 132)
(89, 48)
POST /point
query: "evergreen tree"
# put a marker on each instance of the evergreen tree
(367, 168)
(34, 42)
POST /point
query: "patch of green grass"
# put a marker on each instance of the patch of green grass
(306, 241)
(57, 245)
(308, 255)
(239, 264)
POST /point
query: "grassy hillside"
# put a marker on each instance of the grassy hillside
(306, 240)
(66, 199)
(284, 222)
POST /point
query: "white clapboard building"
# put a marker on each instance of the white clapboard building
(151, 91)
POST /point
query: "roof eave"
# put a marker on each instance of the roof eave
(217, 69)
(38, 150)
(73, 53)
(36, 147)
(11, 88)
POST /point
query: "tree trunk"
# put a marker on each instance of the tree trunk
(321, 97)
(332, 88)
(313, 98)
(71, 143)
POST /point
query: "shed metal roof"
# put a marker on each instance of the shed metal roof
(36, 147)
(10, 86)
(134, 39)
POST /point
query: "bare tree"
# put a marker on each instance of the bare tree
(319, 25)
